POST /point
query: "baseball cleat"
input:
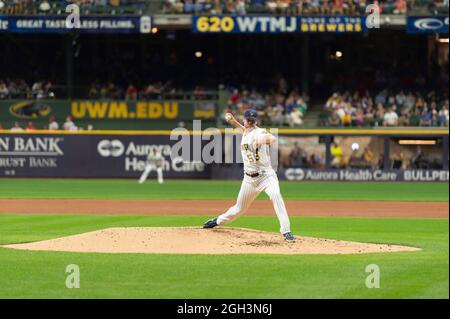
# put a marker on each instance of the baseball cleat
(289, 237)
(210, 223)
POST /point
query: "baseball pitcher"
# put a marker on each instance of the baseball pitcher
(258, 174)
(155, 161)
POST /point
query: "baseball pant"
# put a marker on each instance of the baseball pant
(250, 189)
(148, 169)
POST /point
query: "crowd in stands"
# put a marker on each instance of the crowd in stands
(296, 7)
(111, 90)
(33, 7)
(152, 91)
(53, 125)
(19, 88)
(240, 7)
(280, 107)
(386, 108)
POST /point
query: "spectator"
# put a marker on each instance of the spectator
(4, 92)
(44, 6)
(390, 117)
(283, 6)
(52, 124)
(404, 117)
(400, 98)
(240, 7)
(30, 127)
(369, 117)
(410, 101)
(359, 117)
(131, 93)
(425, 118)
(174, 6)
(400, 7)
(277, 111)
(334, 120)
(37, 90)
(230, 7)
(16, 127)
(336, 153)
(443, 115)
(69, 125)
(271, 6)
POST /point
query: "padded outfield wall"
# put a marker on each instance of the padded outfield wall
(122, 154)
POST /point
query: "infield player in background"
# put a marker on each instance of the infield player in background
(258, 174)
(155, 161)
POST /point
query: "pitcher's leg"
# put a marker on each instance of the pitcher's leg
(145, 173)
(246, 196)
(273, 190)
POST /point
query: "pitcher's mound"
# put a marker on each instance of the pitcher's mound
(190, 240)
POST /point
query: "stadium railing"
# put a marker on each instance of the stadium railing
(152, 7)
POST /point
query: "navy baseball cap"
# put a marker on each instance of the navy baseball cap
(250, 114)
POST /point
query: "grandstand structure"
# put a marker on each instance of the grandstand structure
(219, 55)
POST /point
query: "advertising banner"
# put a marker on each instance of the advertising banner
(88, 24)
(364, 175)
(124, 156)
(108, 114)
(430, 24)
(54, 155)
(277, 24)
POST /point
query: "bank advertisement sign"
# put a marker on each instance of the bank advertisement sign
(35, 155)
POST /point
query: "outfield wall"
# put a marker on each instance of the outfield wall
(114, 154)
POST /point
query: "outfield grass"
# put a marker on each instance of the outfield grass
(423, 274)
(206, 189)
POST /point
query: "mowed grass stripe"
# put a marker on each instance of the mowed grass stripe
(206, 189)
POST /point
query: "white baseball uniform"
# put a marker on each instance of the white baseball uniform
(257, 161)
(154, 162)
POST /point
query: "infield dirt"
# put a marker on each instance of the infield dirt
(215, 207)
(194, 240)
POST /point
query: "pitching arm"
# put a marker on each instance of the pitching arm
(235, 123)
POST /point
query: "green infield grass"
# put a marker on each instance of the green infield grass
(206, 189)
(26, 274)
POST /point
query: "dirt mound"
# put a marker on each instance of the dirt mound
(194, 240)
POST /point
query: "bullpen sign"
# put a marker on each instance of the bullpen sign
(277, 24)
(428, 24)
